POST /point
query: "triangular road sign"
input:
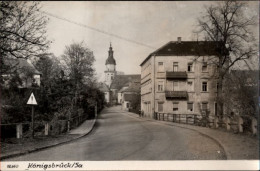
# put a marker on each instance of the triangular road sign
(32, 100)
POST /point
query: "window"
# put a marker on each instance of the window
(175, 85)
(175, 106)
(160, 106)
(204, 67)
(190, 69)
(160, 66)
(204, 86)
(190, 106)
(204, 106)
(190, 86)
(175, 66)
(160, 85)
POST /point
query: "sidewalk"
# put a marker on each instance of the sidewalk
(28, 145)
(236, 146)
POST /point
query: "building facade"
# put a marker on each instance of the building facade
(178, 78)
(107, 93)
(131, 96)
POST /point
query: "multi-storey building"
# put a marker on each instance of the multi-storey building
(178, 78)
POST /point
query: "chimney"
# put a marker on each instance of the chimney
(179, 39)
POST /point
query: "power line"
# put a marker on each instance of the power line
(97, 30)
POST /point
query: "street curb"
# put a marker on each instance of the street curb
(49, 146)
(226, 153)
(222, 146)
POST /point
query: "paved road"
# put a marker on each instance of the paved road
(120, 136)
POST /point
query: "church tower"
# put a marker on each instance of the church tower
(110, 72)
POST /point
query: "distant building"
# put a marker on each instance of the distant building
(116, 81)
(105, 89)
(120, 83)
(120, 93)
(29, 76)
(174, 80)
(131, 97)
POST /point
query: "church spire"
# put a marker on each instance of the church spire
(110, 72)
(110, 59)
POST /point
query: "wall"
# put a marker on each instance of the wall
(124, 105)
(107, 97)
(109, 76)
(119, 98)
(119, 95)
(111, 67)
(37, 79)
(147, 88)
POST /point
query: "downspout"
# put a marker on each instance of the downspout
(154, 88)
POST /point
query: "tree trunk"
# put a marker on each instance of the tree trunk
(220, 103)
(76, 99)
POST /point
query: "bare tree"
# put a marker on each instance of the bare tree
(228, 26)
(23, 30)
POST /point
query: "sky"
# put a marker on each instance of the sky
(152, 24)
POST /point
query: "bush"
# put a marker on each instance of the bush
(8, 131)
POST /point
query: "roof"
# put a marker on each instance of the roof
(22, 65)
(103, 87)
(121, 80)
(110, 59)
(130, 97)
(122, 89)
(186, 48)
(134, 87)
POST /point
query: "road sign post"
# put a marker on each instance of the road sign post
(32, 121)
(96, 110)
(32, 101)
